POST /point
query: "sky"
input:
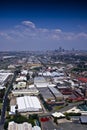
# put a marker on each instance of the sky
(43, 25)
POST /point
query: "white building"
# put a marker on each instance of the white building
(28, 103)
(21, 78)
(24, 72)
(30, 90)
(24, 126)
(40, 82)
(4, 76)
(19, 85)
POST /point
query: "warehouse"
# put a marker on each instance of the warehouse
(24, 126)
(19, 85)
(29, 91)
(28, 103)
(56, 93)
(21, 78)
(40, 82)
(47, 95)
(4, 76)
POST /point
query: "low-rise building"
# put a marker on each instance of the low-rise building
(4, 76)
(40, 82)
(25, 92)
(47, 95)
(58, 95)
(21, 78)
(19, 85)
(28, 103)
(24, 126)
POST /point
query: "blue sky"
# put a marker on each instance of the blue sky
(43, 24)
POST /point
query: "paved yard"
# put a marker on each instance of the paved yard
(68, 125)
(63, 124)
(13, 101)
(48, 125)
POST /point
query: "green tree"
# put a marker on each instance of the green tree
(55, 120)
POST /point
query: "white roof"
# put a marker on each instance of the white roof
(51, 85)
(1, 87)
(15, 126)
(58, 114)
(25, 91)
(21, 78)
(53, 74)
(24, 72)
(47, 73)
(55, 91)
(28, 103)
(20, 85)
(36, 128)
(58, 79)
(4, 76)
(32, 86)
(73, 110)
(40, 82)
(39, 79)
(42, 85)
(12, 109)
(23, 126)
(21, 103)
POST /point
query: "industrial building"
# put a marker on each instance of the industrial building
(24, 126)
(25, 92)
(65, 90)
(56, 93)
(40, 82)
(24, 72)
(4, 76)
(58, 115)
(19, 85)
(51, 74)
(21, 78)
(47, 95)
(28, 103)
(75, 97)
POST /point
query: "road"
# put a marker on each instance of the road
(64, 109)
(71, 105)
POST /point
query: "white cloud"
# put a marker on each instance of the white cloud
(28, 24)
(82, 35)
(29, 30)
(5, 35)
(57, 30)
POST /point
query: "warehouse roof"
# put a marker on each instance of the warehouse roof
(23, 126)
(54, 91)
(4, 76)
(58, 114)
(28, 103)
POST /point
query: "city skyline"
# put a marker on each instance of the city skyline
(43, 25)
